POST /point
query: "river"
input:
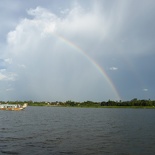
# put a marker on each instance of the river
(77, 131)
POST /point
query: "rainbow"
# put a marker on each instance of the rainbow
(94, 63)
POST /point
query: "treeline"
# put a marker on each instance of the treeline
(134, 102)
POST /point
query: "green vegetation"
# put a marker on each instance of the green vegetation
(135, 103)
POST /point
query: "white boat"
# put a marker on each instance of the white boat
(13, 107)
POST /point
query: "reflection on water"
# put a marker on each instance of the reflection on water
(85, 131)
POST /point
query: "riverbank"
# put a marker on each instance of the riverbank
(136, 107)
(134, 103)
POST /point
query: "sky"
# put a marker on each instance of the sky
(80, 50)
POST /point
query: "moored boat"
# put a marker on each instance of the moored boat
(13, 107)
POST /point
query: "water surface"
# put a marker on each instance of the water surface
(81, 131)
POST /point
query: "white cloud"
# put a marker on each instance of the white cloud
(7, 76)
(113, 68)
(8, 60)
(145, 89)
(2, 77)
(2, 70)
(22, 66)
(53, 68)
(9, 89)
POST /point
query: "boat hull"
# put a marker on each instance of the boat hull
(12, 109)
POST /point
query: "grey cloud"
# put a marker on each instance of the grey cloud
(112, 33)
(53, 68)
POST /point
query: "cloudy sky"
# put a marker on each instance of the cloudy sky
(59, 50)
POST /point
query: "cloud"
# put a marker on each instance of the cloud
(113, 68)
(9, 89)
(51, 56)
(145, 89)
(7, 76)
(8, 60)
(2, 77)
(51, 68)
(22, 66)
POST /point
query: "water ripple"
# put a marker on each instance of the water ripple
(45, 130)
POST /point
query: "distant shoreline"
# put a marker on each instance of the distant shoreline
(134, 103)
(136, 107)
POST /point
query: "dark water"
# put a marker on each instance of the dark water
(81, 131)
